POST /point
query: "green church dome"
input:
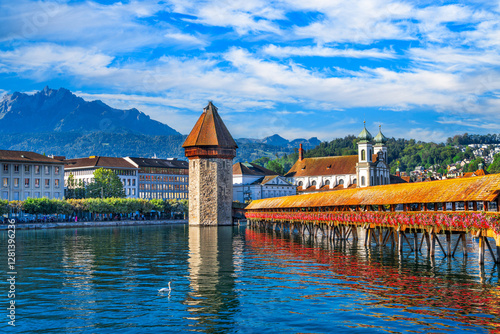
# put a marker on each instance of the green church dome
(380, 138)
(365, 136)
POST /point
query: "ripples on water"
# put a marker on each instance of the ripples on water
(237, 280)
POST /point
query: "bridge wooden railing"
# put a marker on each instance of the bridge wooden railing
(448, 220)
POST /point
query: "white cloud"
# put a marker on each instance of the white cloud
(321, 51)
(46, 60)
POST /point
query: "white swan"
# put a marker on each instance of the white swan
(165, 289)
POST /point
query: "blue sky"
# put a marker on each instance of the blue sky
(421, 69)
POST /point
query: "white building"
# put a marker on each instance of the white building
(27, 174)
(252, 182)
(84, 168)
(162, 178)
(368, 168)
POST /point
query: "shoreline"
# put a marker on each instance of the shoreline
(40, 226)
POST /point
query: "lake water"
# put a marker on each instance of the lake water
(238, 280)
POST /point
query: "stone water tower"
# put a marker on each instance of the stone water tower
(210, 149)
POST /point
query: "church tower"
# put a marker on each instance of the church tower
(210, 149)
(365, 151)
(380, 144)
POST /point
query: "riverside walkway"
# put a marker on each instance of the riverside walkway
(388, 214)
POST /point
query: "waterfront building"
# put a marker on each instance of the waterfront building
(161, 178)
(251, 182)
(27, 174)
(210, 149)
(368, 168)
(84, 168)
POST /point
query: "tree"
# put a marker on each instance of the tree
(275, 166)
(495, 165)
(105, 184)
(75, 189)
(262, 161)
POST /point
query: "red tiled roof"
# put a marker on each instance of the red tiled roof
(209, 130)
(98, 162)
(324, 166)
(325, 188)
(25, 156)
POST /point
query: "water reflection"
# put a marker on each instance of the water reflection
(385, 281)
(212, 301)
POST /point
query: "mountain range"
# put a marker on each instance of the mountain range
(60, 123)
(60, 110)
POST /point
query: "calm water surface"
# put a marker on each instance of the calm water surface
(237, 280)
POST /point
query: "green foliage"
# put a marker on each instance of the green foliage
(262, 161)
(495, 165)
(4, 207)
(74, 189)
(106, 184)
(275, 166)
(473, 165)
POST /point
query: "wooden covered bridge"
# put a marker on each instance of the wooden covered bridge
(388, 213)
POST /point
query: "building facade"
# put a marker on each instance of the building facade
(210, 149)
(368, 168)
(252, 182)
(84, 168)
(27, 174)
(161, 178)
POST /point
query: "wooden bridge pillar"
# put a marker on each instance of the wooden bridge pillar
(432, 246)
(481, 248)
(448, 242)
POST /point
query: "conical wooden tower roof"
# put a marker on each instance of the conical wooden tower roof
(209, 133)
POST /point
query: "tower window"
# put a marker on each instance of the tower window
(363, 155)
(362, 180)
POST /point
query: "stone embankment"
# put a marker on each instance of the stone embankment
(33, 226)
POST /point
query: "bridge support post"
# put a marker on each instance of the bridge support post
(464, 244)
(432, 247)
(400, 241)
(448, 242)
(415, 243)
(481, 248)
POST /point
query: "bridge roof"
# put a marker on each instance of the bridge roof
(479, 188)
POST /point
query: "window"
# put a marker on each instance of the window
(5, 182)
(37, 185)
(129, 182)
(133, 182)
(5, 167)
(37, 169)
(56, 183)
(26, 194)
(37, 194)
(327, 182)
(16, 168)
(16, 182)
(47, 194)
(56, 195)
(133, 192)
(5, 195)
(313, 183)
(354, 181)
(16, 196)
(26, 168)
(26, 183)
(341, 181)
(47, 183)
(362, 180)
(56, 170)
(363, 155)
(300, 184)
(47, 170)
